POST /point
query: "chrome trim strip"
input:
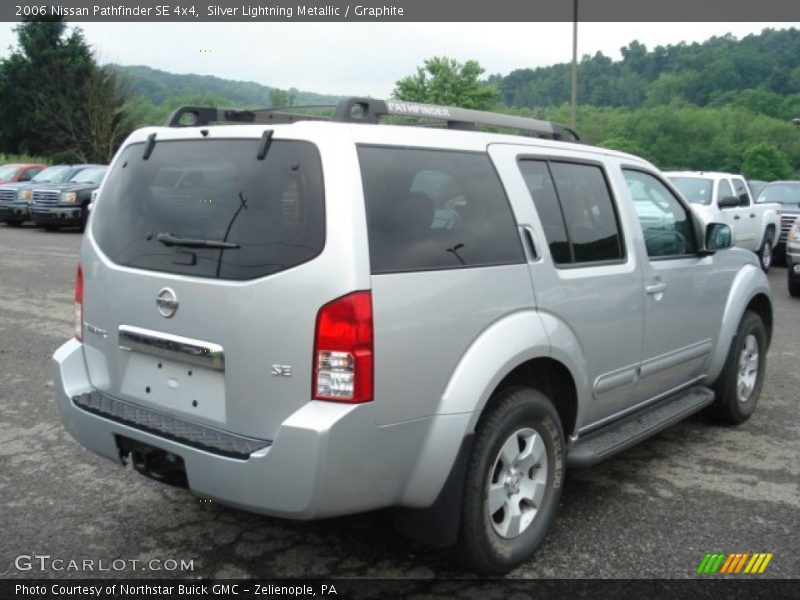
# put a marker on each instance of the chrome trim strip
(675, 358)
(166, 345)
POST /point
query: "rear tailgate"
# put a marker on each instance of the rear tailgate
(203, 274)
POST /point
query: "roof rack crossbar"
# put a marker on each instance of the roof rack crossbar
(370, 110)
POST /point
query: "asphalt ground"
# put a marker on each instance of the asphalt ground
(651, 512)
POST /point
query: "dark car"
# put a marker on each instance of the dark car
(16, 198)
(67, 204)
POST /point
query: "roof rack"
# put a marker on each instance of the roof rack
(370, 110)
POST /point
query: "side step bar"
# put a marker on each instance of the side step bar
(615, 437)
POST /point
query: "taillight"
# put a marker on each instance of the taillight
(343, 352)
(79, 304)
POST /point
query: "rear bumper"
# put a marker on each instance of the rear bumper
(57, 215)
(327, 459)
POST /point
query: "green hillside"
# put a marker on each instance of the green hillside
(160, 86)
(759, 72)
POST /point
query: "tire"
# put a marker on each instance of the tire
(496, 543)
(12, 223)
(50, 227)
(794, 284)
(765, 254)
(739, 385)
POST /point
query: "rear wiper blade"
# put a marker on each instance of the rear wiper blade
(171, 240)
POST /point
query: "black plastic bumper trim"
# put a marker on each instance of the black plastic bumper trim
(169, 427)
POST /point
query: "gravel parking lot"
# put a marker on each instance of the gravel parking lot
(653, 511)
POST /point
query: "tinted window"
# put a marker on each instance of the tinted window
(269, 213)
(588, 212)
(696, 190)
(431, 209)
(576, 210)
(543, 192)
(666, 226)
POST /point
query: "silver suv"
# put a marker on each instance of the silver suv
(309, 318)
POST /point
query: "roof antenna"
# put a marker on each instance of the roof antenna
(148, 148)
(263, 147)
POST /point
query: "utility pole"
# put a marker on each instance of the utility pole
(573, 100)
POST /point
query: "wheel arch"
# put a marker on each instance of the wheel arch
(550, 377)
(515, 348)
(749, 290)
(762, 306)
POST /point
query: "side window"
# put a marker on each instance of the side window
(666, 224)
(540, 184)
(588, 212)
(740, 188)
(30, 173)
(576, 210)
(724, 189)
(434, 209)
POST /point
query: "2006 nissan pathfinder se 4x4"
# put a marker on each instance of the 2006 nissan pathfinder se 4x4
(310, 318)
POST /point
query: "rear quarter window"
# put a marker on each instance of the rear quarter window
(270, 213)
(435, 209)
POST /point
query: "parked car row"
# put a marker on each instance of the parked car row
(55, 197)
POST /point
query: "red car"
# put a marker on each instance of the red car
(19, 171)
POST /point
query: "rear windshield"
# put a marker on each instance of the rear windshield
(210, 208)
(694, 189)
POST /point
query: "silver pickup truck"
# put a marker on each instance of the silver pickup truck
(308, 319)
(726, 198)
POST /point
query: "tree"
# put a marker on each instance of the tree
(278, 97)
(445, 81)
(765, 161)
(55, 97)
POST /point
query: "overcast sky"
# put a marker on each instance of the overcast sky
(366, 58)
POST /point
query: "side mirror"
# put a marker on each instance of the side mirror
(729, 202)
(718, 237)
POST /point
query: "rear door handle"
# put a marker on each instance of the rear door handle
(655, 288)
(737, 217)
(527, 234)
(752, 216)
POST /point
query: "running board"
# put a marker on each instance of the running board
(604, 443)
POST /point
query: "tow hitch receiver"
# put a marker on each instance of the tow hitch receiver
(152, 462)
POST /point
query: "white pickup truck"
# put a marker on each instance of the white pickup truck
(726, 198)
